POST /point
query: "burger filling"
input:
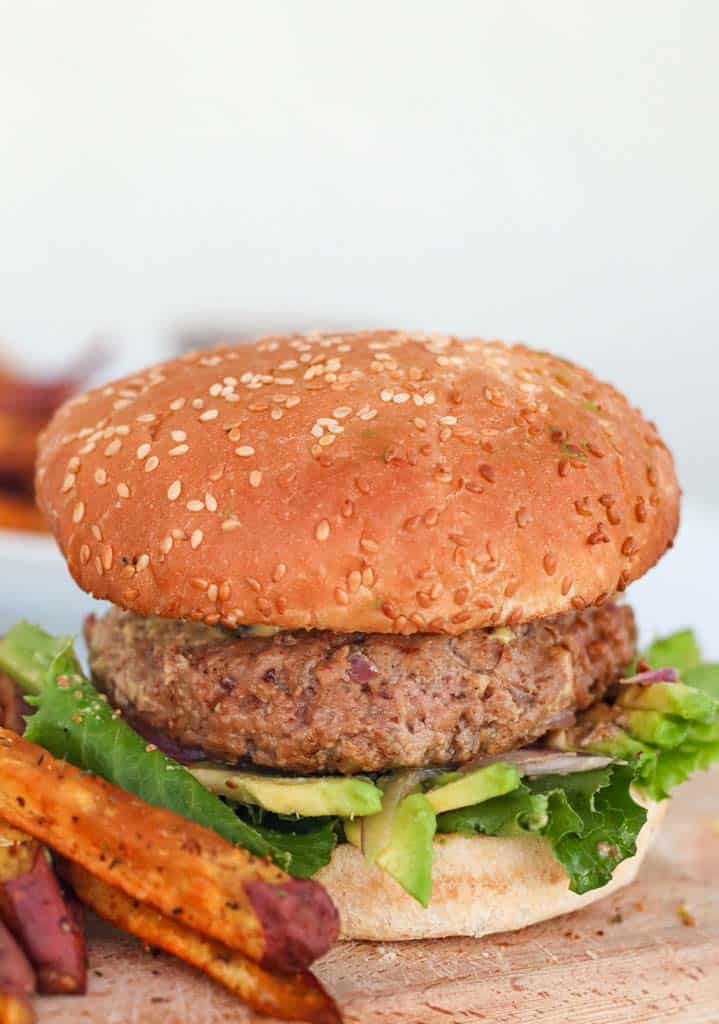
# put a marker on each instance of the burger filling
(289, 743)
(326, 702)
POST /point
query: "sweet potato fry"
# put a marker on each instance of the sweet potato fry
(33, 907)
(17, 982)
(183, 870)
(298, 997)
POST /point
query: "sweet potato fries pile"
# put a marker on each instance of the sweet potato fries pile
(169, 881)
(26, 405)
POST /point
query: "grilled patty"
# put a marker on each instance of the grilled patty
(331, 702)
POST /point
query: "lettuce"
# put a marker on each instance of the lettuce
(73, 721)
(589, 819)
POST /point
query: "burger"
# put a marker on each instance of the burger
(369, 589)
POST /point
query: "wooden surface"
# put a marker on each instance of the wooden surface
(630, 959)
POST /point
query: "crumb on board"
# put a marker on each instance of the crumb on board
(685, 915)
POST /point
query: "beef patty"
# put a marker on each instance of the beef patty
(332, 702)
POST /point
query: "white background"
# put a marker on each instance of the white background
(542, 171)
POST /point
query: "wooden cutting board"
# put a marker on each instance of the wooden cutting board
(648, 954)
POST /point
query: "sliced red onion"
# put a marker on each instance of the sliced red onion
(171, 748)
(539, 761)
(362, 670)
(654, 675)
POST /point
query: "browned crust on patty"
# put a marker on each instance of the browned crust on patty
(328, 702)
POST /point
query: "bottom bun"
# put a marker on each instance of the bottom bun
(480, 885)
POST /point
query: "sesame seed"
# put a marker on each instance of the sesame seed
(629, 547)
(84, 554)
(327, 440)
(68, 483)
(177, 404)
(152, 463)
(196, 539)
(230, 524)
(114, 447)
(100, 477)
(147, 417)
(386, 395)
(195, 505)
(277, 414)
(174, 490)
(400, 398)
(166, 545)
(322, 530)
(143, 451)
(212, 592)
(280, 570)
(73, 464)
(107, 557)
(123, 490)
(181, 449)
(342, 412)
(255, 478)
(210, 503)
(142, 563)
(178, 435)
(245, 451)
(96, 532)
(209, 414)
(197, 403)
(78, 512)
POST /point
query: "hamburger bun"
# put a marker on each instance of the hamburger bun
(480, 885)
(378, 482)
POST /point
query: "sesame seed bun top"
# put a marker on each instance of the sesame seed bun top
(379, 481)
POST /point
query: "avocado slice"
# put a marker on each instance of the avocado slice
(408, 857)
(308, 797)
(399, 839)
(671, 699)
(654, 727)
(464, 789)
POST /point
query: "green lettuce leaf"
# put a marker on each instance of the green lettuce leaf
(680, 651)
(73, 721)
(705, 678)
(508, 815)
(665, 731)
(589, 819)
